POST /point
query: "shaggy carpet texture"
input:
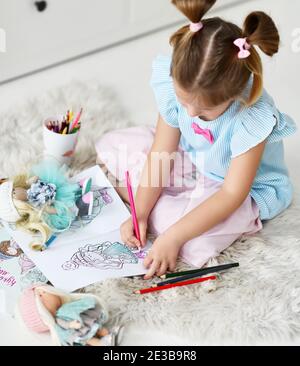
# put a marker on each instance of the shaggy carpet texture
(258, 302)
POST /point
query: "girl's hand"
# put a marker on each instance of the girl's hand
(162, 256)
(128, 236)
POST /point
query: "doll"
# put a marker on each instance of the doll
(42, 203)
(72, 319)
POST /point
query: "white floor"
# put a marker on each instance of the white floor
(127, 68)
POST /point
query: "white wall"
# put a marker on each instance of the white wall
(69, 28)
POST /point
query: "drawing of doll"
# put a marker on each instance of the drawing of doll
(25, 263)
(107, 199)
(90, 206)
(30, 274)
(32, 277)
(101, 256)
(9, 249)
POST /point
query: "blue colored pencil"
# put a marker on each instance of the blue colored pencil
(50, 241)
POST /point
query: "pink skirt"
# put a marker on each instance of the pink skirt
(127, 149)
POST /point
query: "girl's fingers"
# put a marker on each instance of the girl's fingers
(125, 232)
(154, 267)
(124, 236)
(172, 265)
(148, 260)
(162, 269)
(127, 235)
(131, 241)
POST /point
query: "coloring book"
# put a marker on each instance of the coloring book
(9, 274)
(91, 250)
(17, 272)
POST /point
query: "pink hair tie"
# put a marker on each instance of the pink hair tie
(244, 47)
(196, 27)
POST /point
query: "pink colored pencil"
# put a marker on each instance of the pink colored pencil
(132, 206)
(76, 121)
(178, 284)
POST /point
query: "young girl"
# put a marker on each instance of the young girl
(212, 106)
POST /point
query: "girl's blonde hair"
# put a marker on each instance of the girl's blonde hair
(206, 62)
(31, 218)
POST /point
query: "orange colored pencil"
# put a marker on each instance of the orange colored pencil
(166, 287)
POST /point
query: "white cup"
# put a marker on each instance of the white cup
(57, 146)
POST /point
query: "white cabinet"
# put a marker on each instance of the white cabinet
(70, 28)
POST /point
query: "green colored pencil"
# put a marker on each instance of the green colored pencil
(201, 270)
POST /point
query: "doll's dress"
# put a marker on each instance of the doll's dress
(88, 312)
(66, 193)
(118, 251)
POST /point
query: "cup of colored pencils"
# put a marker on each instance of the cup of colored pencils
(60, 135)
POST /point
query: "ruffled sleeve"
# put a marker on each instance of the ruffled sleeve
(162, 85)
(258, 123)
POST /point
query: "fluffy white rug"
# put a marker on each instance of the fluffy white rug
(259, 302)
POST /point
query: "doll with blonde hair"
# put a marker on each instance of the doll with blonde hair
(40, 203)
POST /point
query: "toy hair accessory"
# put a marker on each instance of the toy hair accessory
(41, 193)
(244, 47)
(196, 27)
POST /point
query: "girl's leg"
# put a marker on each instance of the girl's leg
(127, 149)
(122, 150)
(198, 251)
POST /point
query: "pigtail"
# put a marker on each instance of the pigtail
(260, 30)
(194, 10)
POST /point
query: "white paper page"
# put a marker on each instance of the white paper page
(80, 263)
(10, 273)
(111, 216)
(83, 241)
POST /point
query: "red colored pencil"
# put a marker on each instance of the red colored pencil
(166, 287)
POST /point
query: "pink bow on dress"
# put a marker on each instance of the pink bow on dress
(204, 132)
(244, 47)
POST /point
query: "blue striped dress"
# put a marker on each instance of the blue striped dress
(236, 131)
